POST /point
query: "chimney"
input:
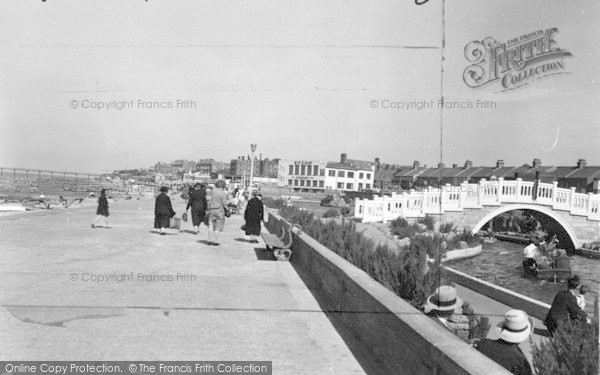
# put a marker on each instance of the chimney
(468, 164)
(343, 158)
(537, 163)
(454, 165)
(500, 163)
(440, 165)
(416, 164)
(581, 163)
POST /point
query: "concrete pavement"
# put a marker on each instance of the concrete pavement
(70, 292)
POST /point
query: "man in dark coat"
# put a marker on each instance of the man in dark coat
(102, 210)
(564, 307)
(197, 201)
(253, 216)
(163, 211)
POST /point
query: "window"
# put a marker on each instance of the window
(291, 170)
(350, 174)
(321, 183)
(341, 174)
(322, 172)
(290, 182)
(361, 175)
(315, 170)
(297, 169)
(308, 170)
(314, 183)
(368, 186)
(340, 185)
(349, 186)
(331, 173)
(303, 170)
(360, 185)
(368, 176)
(301, 182)
(295, 182)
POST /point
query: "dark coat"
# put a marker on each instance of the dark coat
(506, 354)
(253, 216)
(163, 211)
(197, 201)
(563, 307)
(102, 206)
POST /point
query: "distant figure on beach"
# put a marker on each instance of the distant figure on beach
(216, 212)
(102, 210)
(163, 211)
(197, 202)
(564, 307)
(253, 216)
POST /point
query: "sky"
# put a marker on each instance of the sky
(305, 80)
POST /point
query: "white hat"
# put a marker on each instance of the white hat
(443, 299)
(516, 327)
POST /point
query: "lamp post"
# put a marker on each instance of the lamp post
(253, 149)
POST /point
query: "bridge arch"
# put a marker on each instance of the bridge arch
(532, 207)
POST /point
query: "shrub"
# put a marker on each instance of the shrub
(398, 223)
(466, 235)
(406, 231)
(479, 326)
(332, 212)
(429, 222)
(572, 350)
(327, 200)
(446, 227)
(276, 203)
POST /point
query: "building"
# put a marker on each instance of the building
(349, 175)
(302, 175)
(206, 167)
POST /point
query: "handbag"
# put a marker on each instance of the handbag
(227, 211)
(184, 217)
(243, 227)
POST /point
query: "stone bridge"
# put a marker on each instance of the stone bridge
(474, 205)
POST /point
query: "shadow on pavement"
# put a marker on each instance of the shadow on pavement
(264, 254)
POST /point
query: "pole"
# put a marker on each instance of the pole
(439, 252)
(253, 149)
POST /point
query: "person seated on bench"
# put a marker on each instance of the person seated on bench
(253, 216)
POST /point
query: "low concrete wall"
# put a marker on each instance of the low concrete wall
(385, 333)
(533, 307)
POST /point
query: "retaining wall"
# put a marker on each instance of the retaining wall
(385, 333)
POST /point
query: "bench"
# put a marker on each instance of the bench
(281, 245)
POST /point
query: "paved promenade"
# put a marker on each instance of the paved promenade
(213, 303)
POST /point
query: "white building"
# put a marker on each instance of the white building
(349, 175)
(302, 175)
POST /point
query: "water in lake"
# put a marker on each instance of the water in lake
(500, 263)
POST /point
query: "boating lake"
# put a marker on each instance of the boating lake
(500, 264)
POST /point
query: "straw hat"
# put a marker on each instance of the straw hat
(516, 327)
(443, 299)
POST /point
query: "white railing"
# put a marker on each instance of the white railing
(415, 204)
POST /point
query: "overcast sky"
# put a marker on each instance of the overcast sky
(297, 77)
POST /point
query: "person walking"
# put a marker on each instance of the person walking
(197, 202)
(216, 212)
(163, 211)
(253, 215)
(102, 210)
(505, 351)
(564, 307)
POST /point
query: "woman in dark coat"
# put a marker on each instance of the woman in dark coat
(197, 201)
(564, 307)
(163, 211)
(253, 216)
(102, 210)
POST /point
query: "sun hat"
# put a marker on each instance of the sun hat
(516, 327)
(164, 189)
(443, 299)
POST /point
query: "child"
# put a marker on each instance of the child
(581, 296)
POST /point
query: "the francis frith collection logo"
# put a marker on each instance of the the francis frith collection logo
(514, 63)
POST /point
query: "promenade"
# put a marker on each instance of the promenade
(161, 297)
